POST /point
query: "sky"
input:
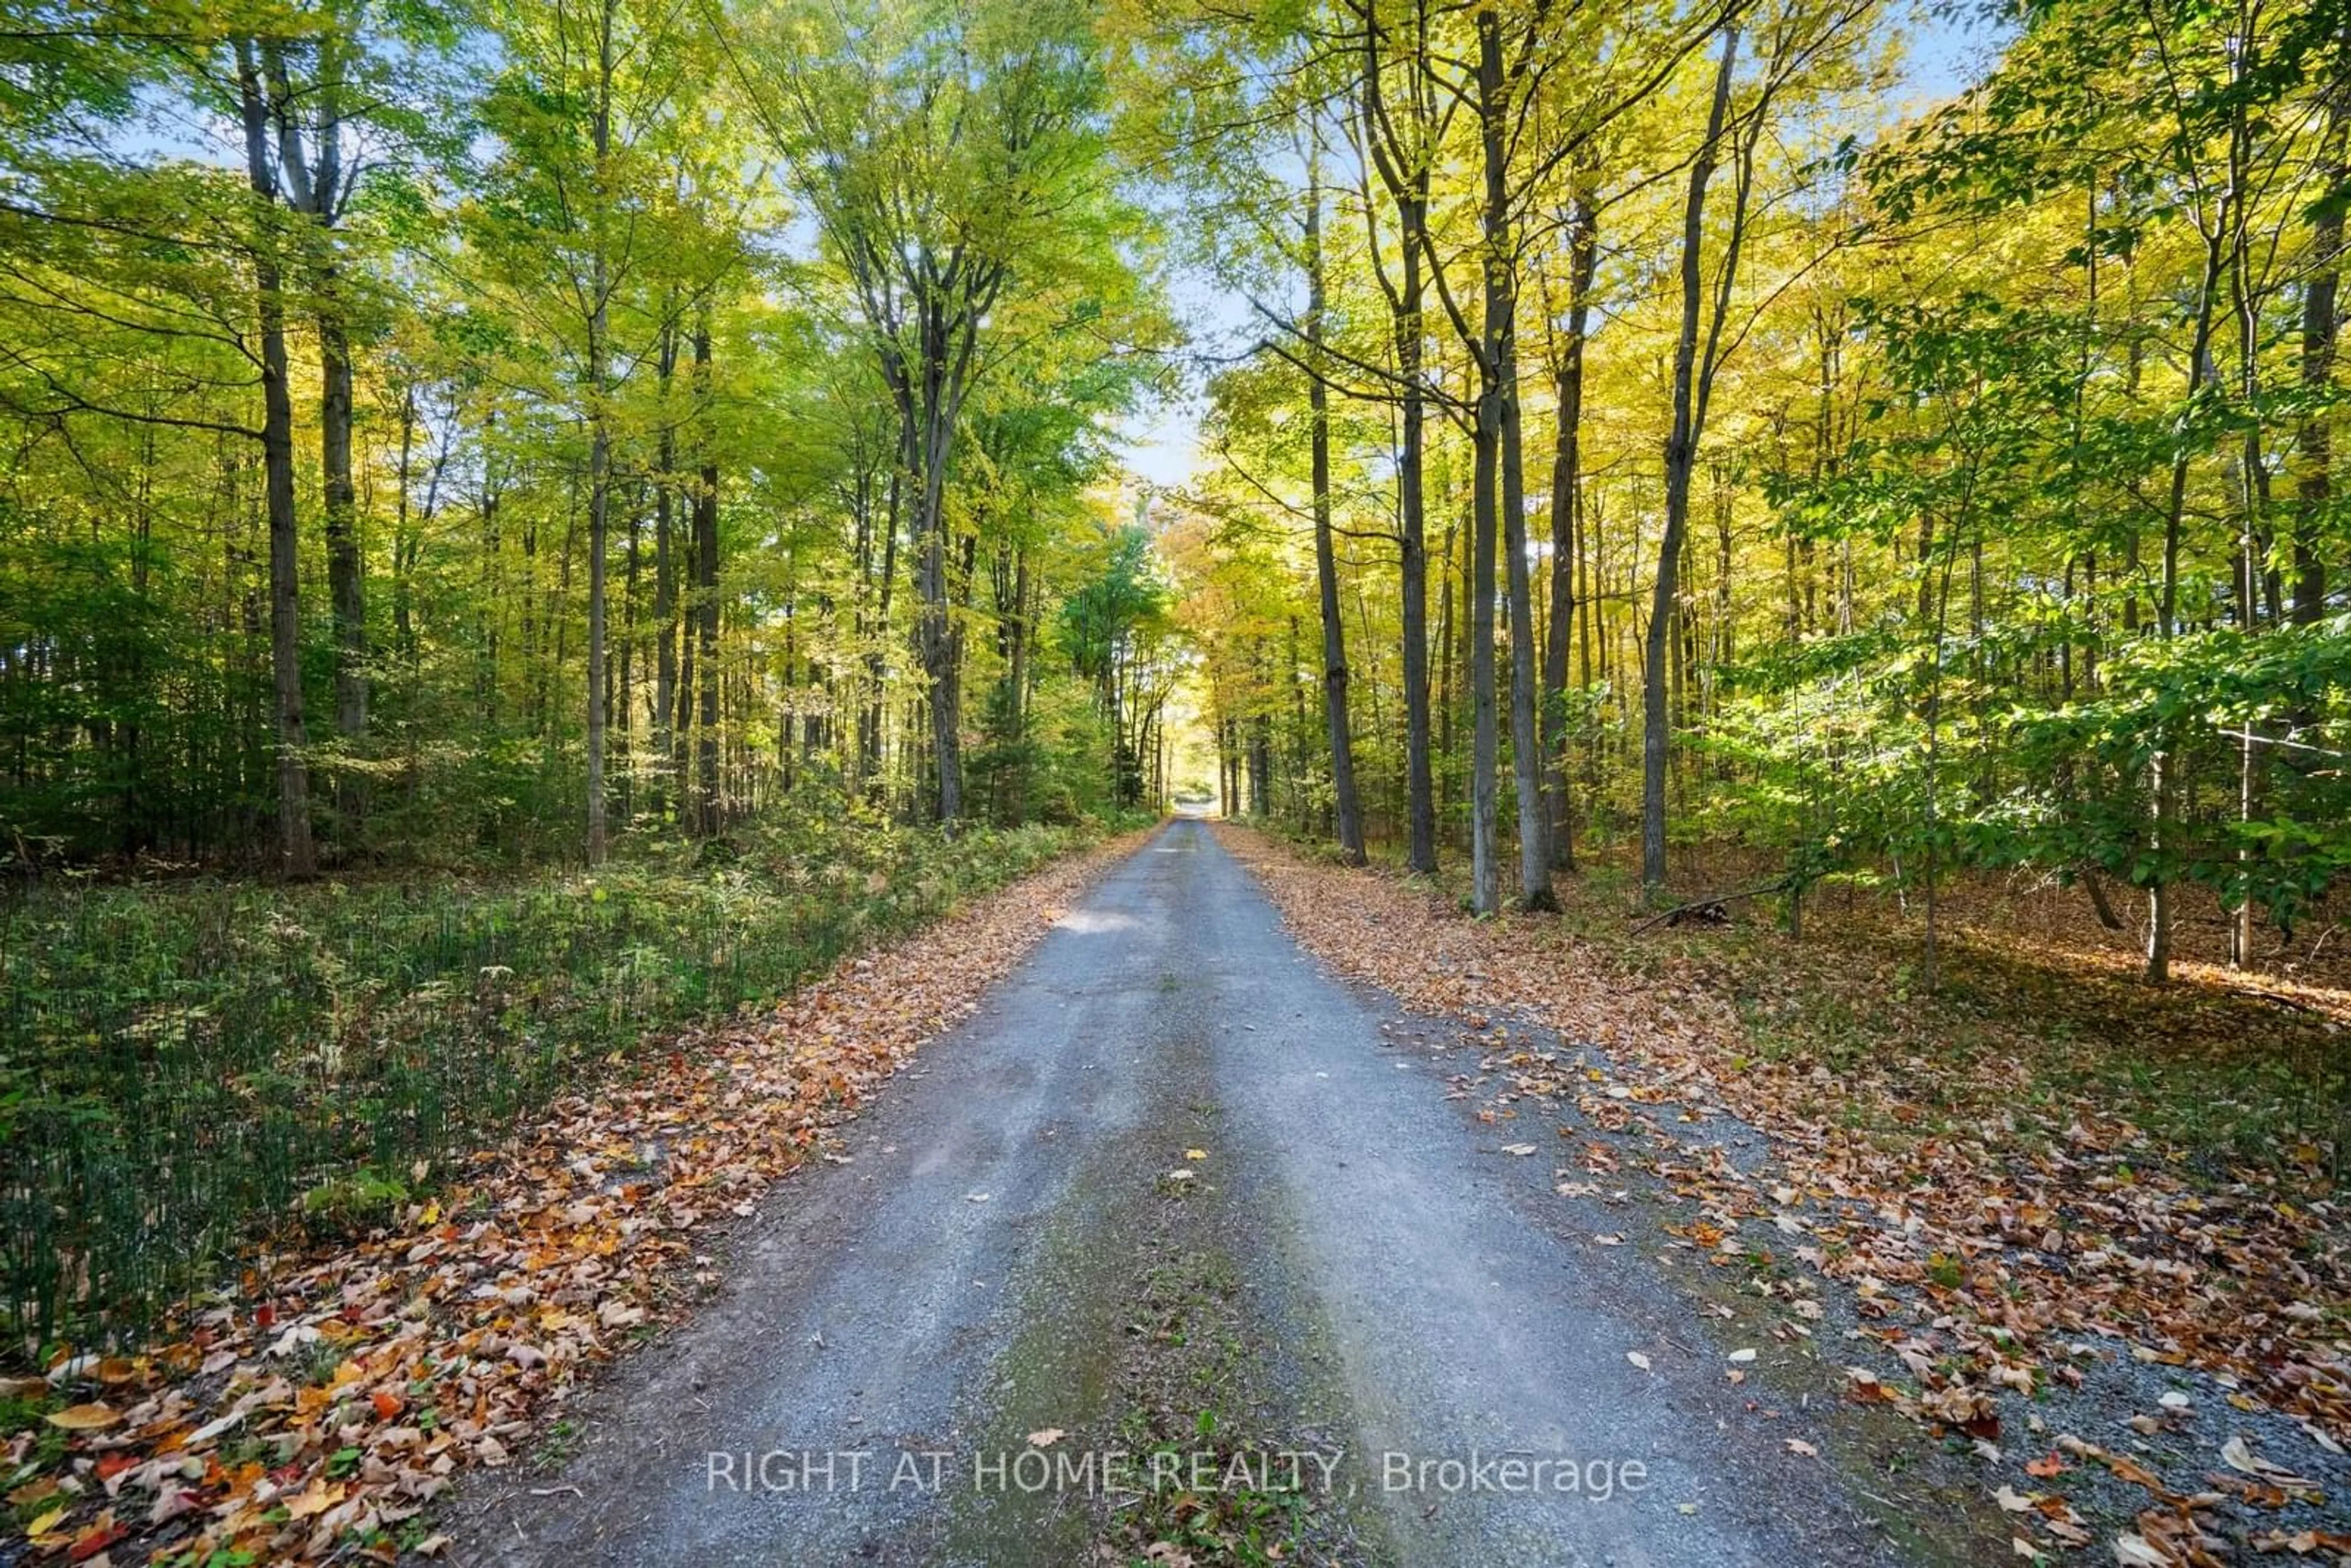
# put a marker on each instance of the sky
(1161, 446)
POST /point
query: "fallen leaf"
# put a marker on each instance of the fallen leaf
(92, 1417)
(96, 1539)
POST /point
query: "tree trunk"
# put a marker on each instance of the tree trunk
(1261, 765)
(1583, 262)
(1409, 185)
(600, 455)
(706, 590)
(314, 187)
(1420, 809)
(665, 618)
(1681, 453)
(1485, 744)
(2313, 487)
(1326, 567)
(296, 855)
(937, 640)
(600, 496)
(1501, 367)
(345, 570)
(2163, 770)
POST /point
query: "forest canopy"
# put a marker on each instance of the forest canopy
(1893, 446)
(481, 431)
(1677, 425)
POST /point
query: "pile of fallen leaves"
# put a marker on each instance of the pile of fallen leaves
(321, 1407)
(1989, 1241)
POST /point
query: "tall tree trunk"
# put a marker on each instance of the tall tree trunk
(2314, 485)
(345, 570)
(1446, 662)
(665, 617)
(600, 497)
(404, 545)
(1021, 637)
(1501, 357)
(706, 587)
(312, 182)
(1261, 765)
(600, 449)
(1681, 455)
(1326, 566)
(870, 716)
(296, 855)
(2224, 229)
(1485, 741)
(938, 641)
(1406, 173)
(1420, 785)
(1566, 490)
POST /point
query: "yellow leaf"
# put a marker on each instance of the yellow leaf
(317, 1499)
(46, 1523)
(85, 1417)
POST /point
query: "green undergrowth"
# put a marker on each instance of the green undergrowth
(185, 1066)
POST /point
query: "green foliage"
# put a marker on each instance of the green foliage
(183, 1066)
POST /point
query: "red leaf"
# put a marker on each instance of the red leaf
(96, 1541)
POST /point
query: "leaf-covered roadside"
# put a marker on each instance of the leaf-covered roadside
(1995, 1249)
(322, 1408)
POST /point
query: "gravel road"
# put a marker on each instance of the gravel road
(1396, 1329)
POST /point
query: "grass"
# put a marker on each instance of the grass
(187, 1068)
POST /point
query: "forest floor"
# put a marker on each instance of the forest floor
(2084, 1230)
(1520, 1241)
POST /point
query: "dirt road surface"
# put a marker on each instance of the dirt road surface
(1180, 1197)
